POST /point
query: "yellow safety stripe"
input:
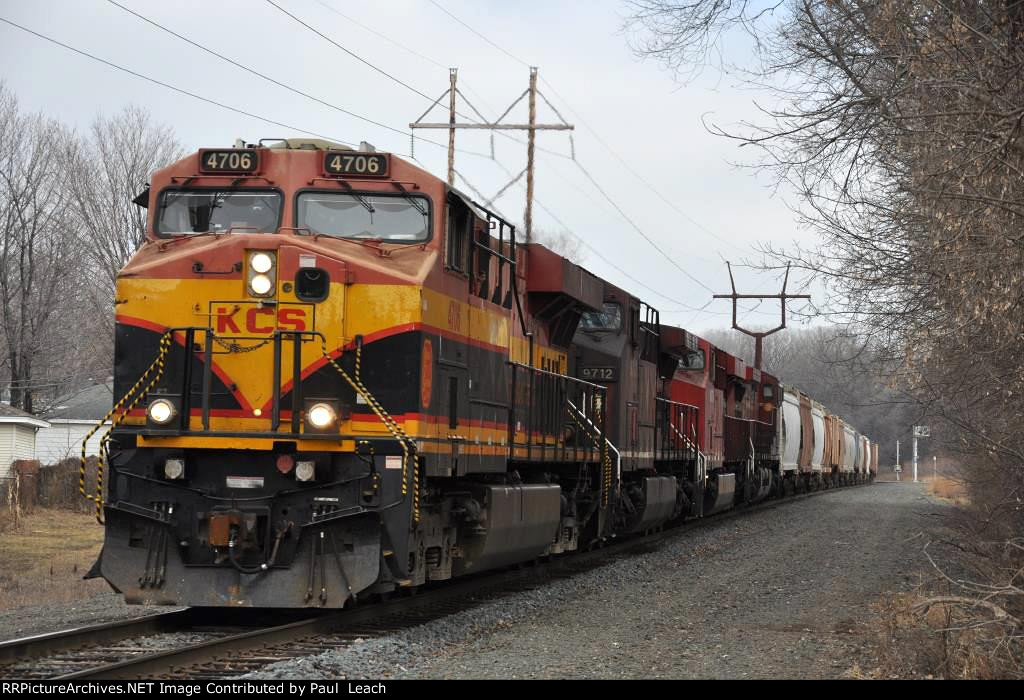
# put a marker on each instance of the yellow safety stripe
(389, 422)
(158, 367)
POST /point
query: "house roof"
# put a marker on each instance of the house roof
(91, 403)
(10, 414)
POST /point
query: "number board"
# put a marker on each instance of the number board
(355, 163)
(599, 374)
(228, 161)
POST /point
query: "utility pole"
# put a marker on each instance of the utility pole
(453, 75)
(531, 127)
(530, 141)
(759, 336)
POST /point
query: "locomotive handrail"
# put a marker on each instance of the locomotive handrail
(687, 441)
(597, 387)
(750, 420)
(676, 403)
(548, 395)
(607, 444)
(670, 451)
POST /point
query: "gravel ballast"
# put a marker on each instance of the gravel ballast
(42, 619)
(784, 592)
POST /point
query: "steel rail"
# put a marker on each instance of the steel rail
(38, 645)
(361, 621)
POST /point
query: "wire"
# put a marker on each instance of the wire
(611, 264)
(352, 53)
(405, 84)
(601, 256)
(639, 230)
(586, 193)
(499, 48)
(255, 72)
(258, 74)
(385, 37)
(588, 128)
(287, 126)
(594, 182)
(637, 175)
(172, 87)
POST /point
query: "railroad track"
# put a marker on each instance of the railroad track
(207, 643)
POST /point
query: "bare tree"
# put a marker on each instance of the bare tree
(38, 258)
(900, 125)
(115, 162)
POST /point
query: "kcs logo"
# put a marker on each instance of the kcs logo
(236, 319)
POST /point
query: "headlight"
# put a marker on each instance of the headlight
(261, 262)
(161, 411)
(174, 468)
(305, 471)
(262, 273)
(320, 415)
(260, 284)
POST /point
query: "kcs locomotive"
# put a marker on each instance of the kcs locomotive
(337, 376)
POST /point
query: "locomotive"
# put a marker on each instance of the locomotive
(337, 376)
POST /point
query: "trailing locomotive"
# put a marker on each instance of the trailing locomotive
(337, 376)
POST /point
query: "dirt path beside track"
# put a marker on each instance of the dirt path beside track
(784, 593)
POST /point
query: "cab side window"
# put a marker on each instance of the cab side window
(459, 233)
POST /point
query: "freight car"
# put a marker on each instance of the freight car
(338, 376)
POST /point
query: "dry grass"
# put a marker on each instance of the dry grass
(934, 641)
(44, 558)
(949, 489)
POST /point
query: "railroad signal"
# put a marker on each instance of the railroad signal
(920, 431)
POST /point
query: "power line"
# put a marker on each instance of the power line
(352, 53)
(635, 174)
(594, 199)
(306, 131)
(253, 71)
(638, 229)
(396, 79)
(385, 37)
(414, 52)
(207, 100)
(592, 180)
(499, 48)
(587, 126)
(418, 92)
(611, 264)
(274, 81)
(601, 256)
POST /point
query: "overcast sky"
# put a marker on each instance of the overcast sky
(713, 211)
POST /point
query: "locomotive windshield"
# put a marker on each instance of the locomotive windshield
(218, 211)
(390, 218)
(693, 359)
(608, 319)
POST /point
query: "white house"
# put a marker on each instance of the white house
(71, 421)
(17, 437)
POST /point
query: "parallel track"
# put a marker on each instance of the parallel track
(216, 648)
